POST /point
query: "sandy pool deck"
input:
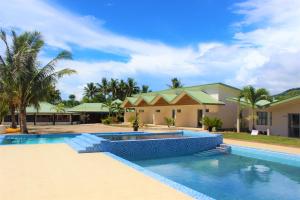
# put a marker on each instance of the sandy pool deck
(56, 172)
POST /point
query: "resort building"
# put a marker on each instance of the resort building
(186, 105)
(90, 112)
(47, 114)
(274, 118)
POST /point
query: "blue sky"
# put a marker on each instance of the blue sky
(199, 41)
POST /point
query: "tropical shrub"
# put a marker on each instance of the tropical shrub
(211, 123)
(107, 120)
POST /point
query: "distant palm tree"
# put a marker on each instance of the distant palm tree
(90, 91)
(132, 87)
(104, 87)
(175, 83)
(145, 89)
(31, 81)
(252, 96)
(113, 85)
(72, 97)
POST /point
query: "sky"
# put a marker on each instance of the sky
(237, 42)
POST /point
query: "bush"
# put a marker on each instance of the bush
(107, 120)
(169, 121)
(211, 123)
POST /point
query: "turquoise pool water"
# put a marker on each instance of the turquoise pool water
(230, 176)
(38, 139)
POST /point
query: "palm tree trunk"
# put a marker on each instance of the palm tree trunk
(253, 120)
(23, 122)
(13, 117)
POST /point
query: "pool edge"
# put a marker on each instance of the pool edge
(177, 186)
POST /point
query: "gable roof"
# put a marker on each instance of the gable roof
(171, 96)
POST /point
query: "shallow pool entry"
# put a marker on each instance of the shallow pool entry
(230, 176)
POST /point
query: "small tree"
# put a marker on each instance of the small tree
(252, 96)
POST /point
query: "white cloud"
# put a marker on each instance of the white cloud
(265, 56)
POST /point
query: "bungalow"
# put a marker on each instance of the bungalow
(90, 112)
(47, 114)
(44, 115)
(274, 118)
(186, 105)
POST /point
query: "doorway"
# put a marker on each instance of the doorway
(294, 125)
(199, 118)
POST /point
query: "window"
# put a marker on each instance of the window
(207, 110)
(179, 110)
(262, 118)
(157, 111)
(271, 119)
(141, 111)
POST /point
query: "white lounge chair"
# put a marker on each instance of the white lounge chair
(254, 132)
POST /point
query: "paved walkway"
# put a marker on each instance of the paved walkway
(270, 147)
(56, 172)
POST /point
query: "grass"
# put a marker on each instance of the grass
(277, 140)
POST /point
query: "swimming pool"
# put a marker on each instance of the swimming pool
(232, 176)
(35, 139)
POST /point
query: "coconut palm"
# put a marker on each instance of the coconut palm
(104, 87)
(252, 96)
(90, 91)
(31, 81)
(175, 83)
(113, 85)
(110, 105)
(132, 87)
(8, 64)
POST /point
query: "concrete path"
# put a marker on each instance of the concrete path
(56, 172)
(270, 147)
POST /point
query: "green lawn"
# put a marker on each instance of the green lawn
(277, 140)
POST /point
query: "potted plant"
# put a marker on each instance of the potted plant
(212, 123)
(135, 123)
(169, 121)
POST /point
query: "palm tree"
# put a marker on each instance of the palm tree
(3, 110)
(122, 90)
(175, 83)
(31, 81)
(59, 108)
(104, 87)
(110, 105)
(145, 89)
(132, 87)
(252, 96)
(113, 85)
(90, 91)
(7, 68)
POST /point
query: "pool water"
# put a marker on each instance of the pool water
(142, 137)
(230, 176)
(39, 139)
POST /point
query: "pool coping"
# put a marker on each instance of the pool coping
(268, 155)
(177, 186)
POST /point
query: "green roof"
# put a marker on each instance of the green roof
(148, 98)
(285, 100)
(169, 95)
(131, 100)
(203, 98)
(44, 107)
(89, 107)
